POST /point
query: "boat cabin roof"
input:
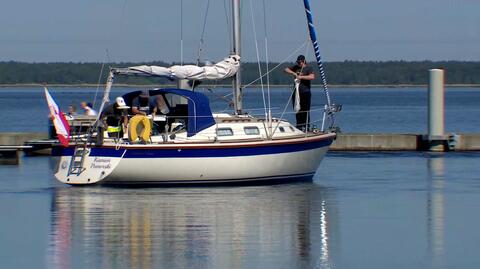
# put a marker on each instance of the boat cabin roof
(199, 113)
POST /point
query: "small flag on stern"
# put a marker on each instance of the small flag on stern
(59, 121)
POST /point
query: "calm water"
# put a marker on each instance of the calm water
(362, 210)
(402, 110)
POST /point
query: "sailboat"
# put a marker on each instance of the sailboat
(197, 146)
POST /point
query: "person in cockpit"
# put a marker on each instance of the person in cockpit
(160, 107)
(141, 104)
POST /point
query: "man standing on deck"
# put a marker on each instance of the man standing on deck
(304, 74)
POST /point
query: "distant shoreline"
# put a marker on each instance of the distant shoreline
(345, 74)
(86, 85)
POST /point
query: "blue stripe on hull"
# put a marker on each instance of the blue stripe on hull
(239, 181)
(206, 151)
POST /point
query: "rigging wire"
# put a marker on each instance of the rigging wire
(222, 97)
(283, 113)
(258, 57)
(181, 32)
(98, 84)
(279, 64)
(227, 19)
(200, 45)
(122, 14)
(107, 55)
(291, 96)
(267, 63)
(107, 60)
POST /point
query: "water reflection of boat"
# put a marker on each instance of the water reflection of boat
(287, 225)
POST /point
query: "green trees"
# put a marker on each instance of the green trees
(338, 73)
(379, 73)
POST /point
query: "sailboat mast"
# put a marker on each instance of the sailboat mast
(237, 81)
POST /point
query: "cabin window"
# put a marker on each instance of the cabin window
(224, 132)
(291, 128)
(173, 100)
(281, 129)
(251, 130)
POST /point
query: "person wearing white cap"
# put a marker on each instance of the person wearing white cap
(116, 118)
(121, 103)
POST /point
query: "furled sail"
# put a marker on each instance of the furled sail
(221, 70)
(316, 49)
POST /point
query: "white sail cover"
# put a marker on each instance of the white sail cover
(221, 70)
(296, 105)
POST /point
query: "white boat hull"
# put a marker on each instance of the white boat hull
(220, 170)
(292, 159)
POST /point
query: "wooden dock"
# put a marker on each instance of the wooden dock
(10, 154)
(11, 144)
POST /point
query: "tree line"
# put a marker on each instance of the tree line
(338, 73)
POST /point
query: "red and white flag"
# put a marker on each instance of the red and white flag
(59, 121)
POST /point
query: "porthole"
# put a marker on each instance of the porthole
(224, 132)
(251, 130)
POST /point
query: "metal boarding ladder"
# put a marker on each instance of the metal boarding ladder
(78, 158)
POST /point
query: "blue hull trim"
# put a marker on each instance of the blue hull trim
(199, 152)
(237, 182)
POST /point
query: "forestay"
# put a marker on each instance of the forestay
(221, 70)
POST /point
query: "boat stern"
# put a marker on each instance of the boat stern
(78, 166)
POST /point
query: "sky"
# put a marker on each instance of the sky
(148, 30)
